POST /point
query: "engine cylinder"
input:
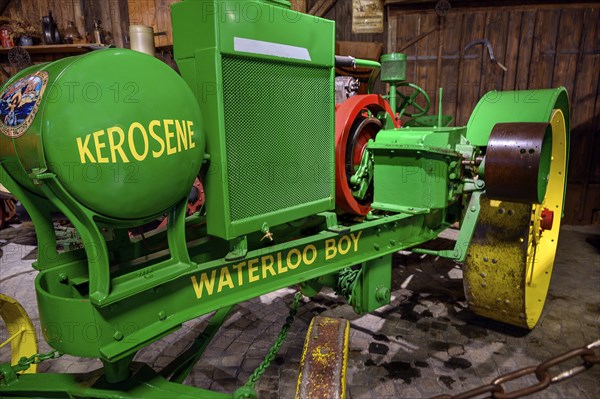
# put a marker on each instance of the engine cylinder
(120, 130)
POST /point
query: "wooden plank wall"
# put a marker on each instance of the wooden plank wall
(117, 15)
(33, 10)
(114, 16)
(155, 13)
(341, 13)
(541, 45)
(299, 5)
(112, 13)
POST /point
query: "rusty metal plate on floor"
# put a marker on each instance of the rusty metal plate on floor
(324, 360)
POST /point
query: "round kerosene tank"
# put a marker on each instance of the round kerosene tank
(120, 130)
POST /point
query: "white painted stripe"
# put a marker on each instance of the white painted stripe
(269, 48)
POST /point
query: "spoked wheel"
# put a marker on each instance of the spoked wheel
(509, 264)
(357, 120)
(410, 100)
(21, 337)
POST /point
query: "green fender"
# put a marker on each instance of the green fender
(517, 106)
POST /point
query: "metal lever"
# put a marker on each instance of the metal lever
(488, 45)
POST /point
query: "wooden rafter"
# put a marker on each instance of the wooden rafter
(321, 7)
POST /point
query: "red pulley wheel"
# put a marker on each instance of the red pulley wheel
(356, 123)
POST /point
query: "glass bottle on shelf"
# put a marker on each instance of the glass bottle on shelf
(72, 34)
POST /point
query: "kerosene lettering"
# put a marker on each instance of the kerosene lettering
(136, 142)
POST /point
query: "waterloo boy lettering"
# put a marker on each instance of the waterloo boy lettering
(264, 267)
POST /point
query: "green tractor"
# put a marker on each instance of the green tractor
(300, 191)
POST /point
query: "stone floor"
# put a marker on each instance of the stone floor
(426, 342)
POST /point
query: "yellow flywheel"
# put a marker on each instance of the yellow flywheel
(22, 339)
(509, 263)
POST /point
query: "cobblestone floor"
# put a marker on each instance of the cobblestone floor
(426, 342)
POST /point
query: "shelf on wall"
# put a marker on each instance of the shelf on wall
(58, 48)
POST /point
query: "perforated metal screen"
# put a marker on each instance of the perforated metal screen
(278, 124)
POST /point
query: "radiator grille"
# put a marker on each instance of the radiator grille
(278, 124)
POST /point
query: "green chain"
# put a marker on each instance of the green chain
(347, 278)
(26, 362)
(248, 389)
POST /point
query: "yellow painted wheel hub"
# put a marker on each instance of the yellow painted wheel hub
(22, 339)
(509, 264)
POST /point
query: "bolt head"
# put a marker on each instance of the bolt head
(382, 294)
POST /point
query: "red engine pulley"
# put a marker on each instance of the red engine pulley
(356, 123)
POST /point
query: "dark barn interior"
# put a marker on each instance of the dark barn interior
(426, 341)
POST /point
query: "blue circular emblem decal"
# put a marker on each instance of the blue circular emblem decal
(19, 103)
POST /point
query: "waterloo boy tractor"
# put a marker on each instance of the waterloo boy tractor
(300, 191)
